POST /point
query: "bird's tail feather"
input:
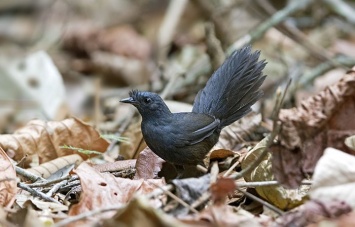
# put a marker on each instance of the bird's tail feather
(233, 88)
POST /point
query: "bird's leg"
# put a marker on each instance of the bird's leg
(180, 170)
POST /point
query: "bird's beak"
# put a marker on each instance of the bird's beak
(129, 100)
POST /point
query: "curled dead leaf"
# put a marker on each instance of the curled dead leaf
(279, 196)
(48, 168)
(148, 165)
(323, 120)
(8, 184)
(44, 138)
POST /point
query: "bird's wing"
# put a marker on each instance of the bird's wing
(192, 128)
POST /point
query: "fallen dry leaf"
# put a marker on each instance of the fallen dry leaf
(350, 142)
(334, 178)
(44, 138)
(277, 195)
(140, 213)
(103, 189)
(312, 212)
(223, 215)
(48, 168)
(121, 40)
(221, 189)
(323, 120)
(148, 165)
(8, 184)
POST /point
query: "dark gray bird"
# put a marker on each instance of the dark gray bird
(185, 138)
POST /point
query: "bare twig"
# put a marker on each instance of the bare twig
(279, 16)
(86, 215)
(265, 183)
(168, 27)
(37, 193)
(342, 9)
(177, 199)
(268, 205)
(32, 177)
(56, 187)
(270, 139)
(214, 47)
(48, 182)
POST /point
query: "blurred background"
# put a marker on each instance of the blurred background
(79, 58)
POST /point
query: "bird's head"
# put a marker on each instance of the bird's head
(147, 103)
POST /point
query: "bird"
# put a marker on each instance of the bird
(185, 138)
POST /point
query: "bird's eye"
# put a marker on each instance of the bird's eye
(147, 100)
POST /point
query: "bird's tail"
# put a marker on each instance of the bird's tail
(233, 88)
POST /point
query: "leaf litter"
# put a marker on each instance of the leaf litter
(60, 171)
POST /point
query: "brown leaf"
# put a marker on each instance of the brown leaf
(44, 138)
(312, 212)
(116, 166)
(103, 189)
(148, 165)
(323, 120)
(122, 40)
(221, 189)
(140, 213)
(223, 215)
(221, 154)
(8, 184)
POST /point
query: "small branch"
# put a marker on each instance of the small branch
(47, 182)
(214, 47)
(324, 67)
(342, 9)
(177, 199)
(279, 16)
(168, 27)
(265, 183)
(56, 187)
(158, 191)
(86, 215)
(37, 193)
(28, 174)
(270, 138)
(268, 205)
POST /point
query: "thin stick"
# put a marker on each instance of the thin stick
(266, 183)
(268, 205)
(86, 215)
(28, 174)
(48, 182)
(177, 199)
(271, 137)
(56, 187)
(37, 193)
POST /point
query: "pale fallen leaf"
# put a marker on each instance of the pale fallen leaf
(350, 142)
(48, 168)
(36, 79)
(334, 178)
